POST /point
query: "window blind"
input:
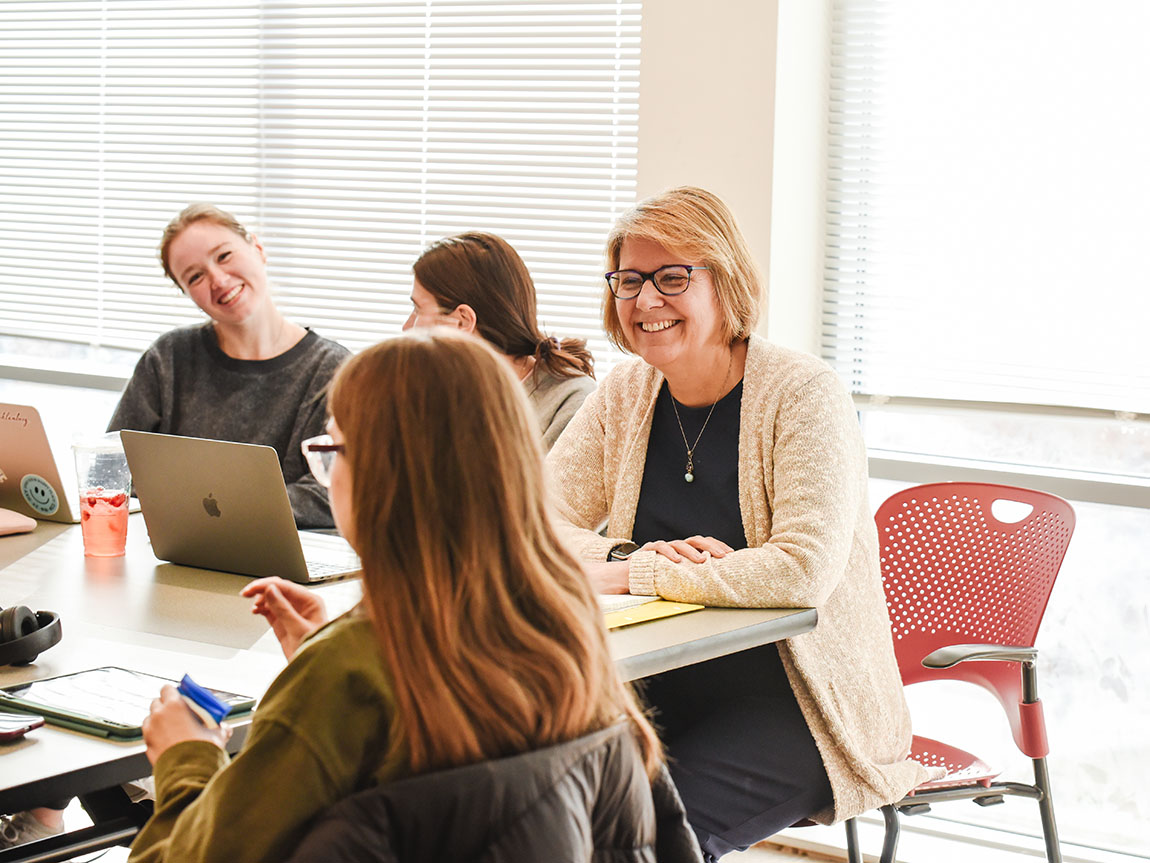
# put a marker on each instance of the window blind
(347, 135)
(986, 218)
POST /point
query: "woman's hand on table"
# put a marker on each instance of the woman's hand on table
(615, 576)
(690, 549)
(293, 612)
(609, 577)
(171, 721)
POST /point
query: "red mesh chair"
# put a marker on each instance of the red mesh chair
(966, 593)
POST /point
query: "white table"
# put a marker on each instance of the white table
(168, 620)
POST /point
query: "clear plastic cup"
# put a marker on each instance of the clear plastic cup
(105, 484)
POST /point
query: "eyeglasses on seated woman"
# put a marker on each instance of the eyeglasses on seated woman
(478, 638)
(731, 472)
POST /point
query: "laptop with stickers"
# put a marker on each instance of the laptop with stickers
(223, 505)
(30, 480)
(35, 479)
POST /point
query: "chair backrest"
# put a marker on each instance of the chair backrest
(587, 798)
(955, 574)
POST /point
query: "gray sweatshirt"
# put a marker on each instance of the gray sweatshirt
(185, 385)
(555, 400)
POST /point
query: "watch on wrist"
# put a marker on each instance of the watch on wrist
(622, 551)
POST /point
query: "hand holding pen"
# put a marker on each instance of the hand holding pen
(172, 720)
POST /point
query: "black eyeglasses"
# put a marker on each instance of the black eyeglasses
(669, 280)
(320, 452)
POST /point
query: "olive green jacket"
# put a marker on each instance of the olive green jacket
(318, 736)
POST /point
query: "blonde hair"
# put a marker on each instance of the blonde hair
(697, 224)
(190, 215)
(488, 625)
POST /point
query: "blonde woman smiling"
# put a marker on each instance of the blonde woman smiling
(731, 472)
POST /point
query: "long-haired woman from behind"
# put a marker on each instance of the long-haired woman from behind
(478, 283)
(478, 636)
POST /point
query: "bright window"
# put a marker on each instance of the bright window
(987, 210)
(985, 286)
(348, 135)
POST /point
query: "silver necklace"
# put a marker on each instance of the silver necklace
(689, 476)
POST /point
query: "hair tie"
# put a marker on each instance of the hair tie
(548, 345)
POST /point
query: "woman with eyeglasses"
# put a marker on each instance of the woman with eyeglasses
(478, 636)
(247, 374)
(477, 282)
(731, 472)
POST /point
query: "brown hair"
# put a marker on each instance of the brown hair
(483, 271)
(489, 626)
(189, 215)
(697, 224)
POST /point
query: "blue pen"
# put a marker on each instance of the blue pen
(201, 698)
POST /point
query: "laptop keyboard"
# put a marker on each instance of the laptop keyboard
(318, 570)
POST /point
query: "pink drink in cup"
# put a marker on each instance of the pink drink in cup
(104, 481)
(104, 521)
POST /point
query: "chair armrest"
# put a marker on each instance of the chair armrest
(945, 657)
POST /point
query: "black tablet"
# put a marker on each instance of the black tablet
(109, 701)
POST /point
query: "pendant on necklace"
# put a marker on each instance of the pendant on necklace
(689, 477)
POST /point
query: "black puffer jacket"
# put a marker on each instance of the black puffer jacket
(587, 800)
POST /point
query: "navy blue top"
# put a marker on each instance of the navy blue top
(671, 508)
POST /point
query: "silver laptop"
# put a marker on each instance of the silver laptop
(222, 505)
(30, 481)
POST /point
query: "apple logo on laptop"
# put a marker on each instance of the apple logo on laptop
(211, 506)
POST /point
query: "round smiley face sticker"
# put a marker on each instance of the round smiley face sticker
(39, 494)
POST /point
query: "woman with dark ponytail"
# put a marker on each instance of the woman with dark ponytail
(478, 283)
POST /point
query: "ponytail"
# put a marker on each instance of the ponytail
(564, 359)
(483, 271)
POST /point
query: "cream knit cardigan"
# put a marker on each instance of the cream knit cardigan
(811, 542)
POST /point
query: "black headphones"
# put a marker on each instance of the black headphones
(24, 635)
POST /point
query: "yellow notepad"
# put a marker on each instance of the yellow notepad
(647, 611)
